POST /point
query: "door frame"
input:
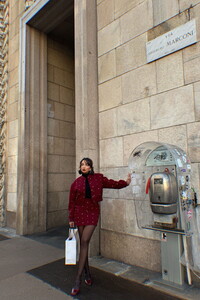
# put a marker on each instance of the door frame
(32, 144)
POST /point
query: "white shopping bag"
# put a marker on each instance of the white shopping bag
(71, 247)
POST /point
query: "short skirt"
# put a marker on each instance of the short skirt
(86, 213)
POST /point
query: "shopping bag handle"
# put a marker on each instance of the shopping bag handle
(71, 232)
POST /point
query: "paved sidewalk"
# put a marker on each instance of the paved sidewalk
(145, 278)
(19, 255)
(32, 268)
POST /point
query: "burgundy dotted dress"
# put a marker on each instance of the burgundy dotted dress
(85, 211)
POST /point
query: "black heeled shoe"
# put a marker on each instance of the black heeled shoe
(76, 289)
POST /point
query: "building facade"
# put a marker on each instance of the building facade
(75, 82)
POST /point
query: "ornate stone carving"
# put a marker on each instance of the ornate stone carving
(3, 100)
(29, 3)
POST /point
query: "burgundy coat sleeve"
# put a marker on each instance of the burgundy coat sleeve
(113, 184)
(72, 199)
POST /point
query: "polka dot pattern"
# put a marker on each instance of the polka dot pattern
(83, 211)
(86, 214)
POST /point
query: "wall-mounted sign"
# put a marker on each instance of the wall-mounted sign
(172, 41)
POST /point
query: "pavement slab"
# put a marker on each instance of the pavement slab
(3, 238)
(20, 254)
(26, 287)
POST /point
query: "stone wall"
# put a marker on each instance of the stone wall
(61, 131)
(141, 102)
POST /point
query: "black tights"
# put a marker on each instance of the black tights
(85, 234)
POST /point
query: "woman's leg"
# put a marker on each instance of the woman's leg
(86, 267)
(85, 233)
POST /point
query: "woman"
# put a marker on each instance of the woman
(85, 194)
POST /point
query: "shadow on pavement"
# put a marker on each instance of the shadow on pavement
(105, 287)
(54, 237)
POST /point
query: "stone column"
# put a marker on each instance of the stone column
(32, 163)
(86, 89)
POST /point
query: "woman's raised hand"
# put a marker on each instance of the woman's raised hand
(128, 180)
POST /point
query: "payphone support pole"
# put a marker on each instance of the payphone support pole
(186, 258)
(184, 236)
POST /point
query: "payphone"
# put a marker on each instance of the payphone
(163, 192)
(165, 202)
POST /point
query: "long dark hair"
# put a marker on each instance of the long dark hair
(89, 163)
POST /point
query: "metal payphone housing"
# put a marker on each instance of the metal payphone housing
(163, 193)
(161, 184)
(148, 163)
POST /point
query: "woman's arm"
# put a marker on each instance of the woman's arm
(114, 184)
(71, 206)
